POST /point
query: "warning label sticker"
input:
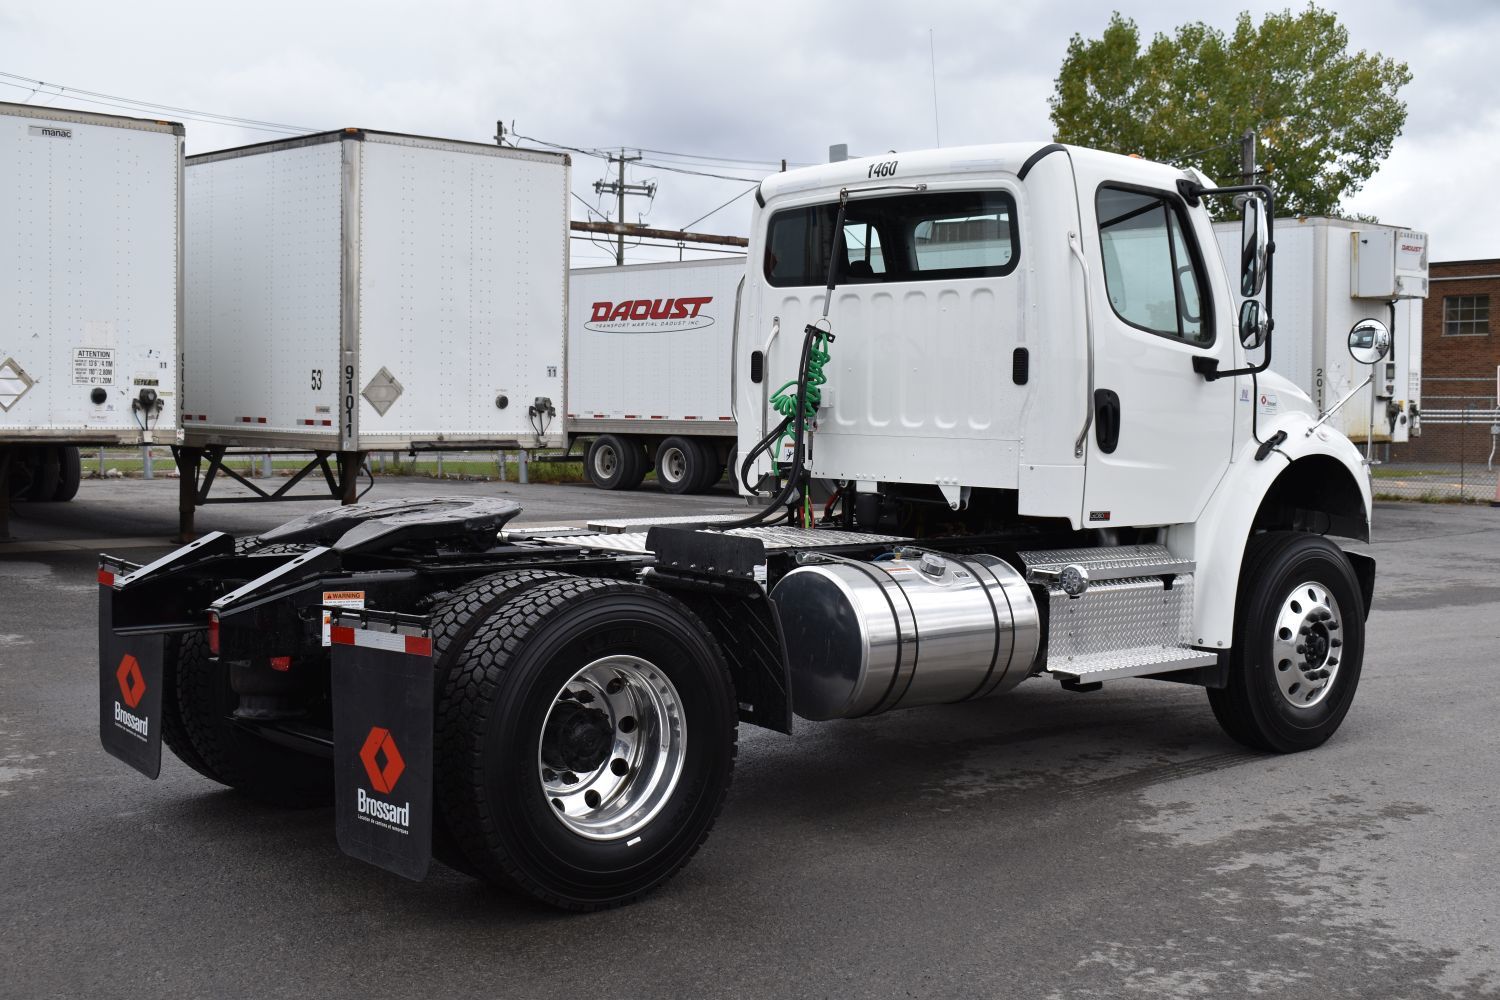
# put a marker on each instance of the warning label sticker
(93, 366)
(339, 599)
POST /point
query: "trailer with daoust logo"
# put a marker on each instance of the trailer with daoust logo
(650, 353)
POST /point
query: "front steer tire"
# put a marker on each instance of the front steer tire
(505, 689)
(1289, 582)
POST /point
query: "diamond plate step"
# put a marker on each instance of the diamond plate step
(1116, 562)
(1137, 662)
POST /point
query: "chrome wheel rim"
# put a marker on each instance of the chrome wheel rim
(674, 465)
(1308, 645)
(612, 747)
(606, 461)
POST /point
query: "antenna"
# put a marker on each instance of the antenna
(932, 55)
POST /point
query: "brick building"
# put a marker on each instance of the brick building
(1460, 355)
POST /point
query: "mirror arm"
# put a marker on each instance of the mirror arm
(1192, 192)
(1335, 407)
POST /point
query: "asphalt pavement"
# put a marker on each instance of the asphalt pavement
(1042, 844)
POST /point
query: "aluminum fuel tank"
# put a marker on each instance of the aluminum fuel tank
(920, 629)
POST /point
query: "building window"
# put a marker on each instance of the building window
(1466, 315)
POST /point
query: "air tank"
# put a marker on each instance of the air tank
(916, 628)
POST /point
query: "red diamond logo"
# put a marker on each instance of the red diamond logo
(132, 684)
(380, 744)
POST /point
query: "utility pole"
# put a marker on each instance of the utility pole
(1247, 157)
(620, 189)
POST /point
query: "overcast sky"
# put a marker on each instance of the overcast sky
(754, 82)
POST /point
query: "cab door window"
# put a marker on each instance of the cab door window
(1152, 269)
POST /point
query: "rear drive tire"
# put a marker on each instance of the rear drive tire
(70, 473)
(1298, 644)
(585, 742)
(615, 463)
(234, 756)
(454, 620)
(681, 465)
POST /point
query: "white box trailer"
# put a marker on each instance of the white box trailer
(90, 244)
(650, 356)
(359, 290)
(1330, 274)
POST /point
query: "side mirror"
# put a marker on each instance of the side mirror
(1252, 330)
(1254, 245)
(1369, 341)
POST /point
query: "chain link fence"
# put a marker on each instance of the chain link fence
(1454, 461)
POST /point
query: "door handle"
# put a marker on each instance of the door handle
(1106, 420)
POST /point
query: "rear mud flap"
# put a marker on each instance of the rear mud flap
(382, 739)
(130, 670)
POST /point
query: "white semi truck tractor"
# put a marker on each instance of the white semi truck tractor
(1058, 453)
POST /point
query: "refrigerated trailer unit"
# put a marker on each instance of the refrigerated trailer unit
(1330, 274)
(650, 371)
(90, 245)
(358, 290)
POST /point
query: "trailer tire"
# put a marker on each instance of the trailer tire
(682, 465)
(713, 469)
(1299, 622)
(501, 727)
(46, 474)
(615, 463)
(70, 473)
(234, 756)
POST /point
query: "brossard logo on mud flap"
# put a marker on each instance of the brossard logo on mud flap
(379, 745)
(650, 315)
(132, 689)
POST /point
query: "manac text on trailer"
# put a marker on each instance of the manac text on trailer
(90, 251)
(1025, 368)
(358, 290)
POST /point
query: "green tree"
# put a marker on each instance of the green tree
(1325, 117)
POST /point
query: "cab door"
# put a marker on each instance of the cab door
(1162, 435)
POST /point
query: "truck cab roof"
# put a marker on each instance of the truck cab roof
(993, 158)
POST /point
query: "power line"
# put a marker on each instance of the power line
(731, 201)
(153, 107)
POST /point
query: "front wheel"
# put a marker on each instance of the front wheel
(585, 742)
(1298, 644)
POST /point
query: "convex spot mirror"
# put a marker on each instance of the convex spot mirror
(1252, 329)
(1369, 341)
(1254, 245)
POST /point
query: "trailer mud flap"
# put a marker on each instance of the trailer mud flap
(382, 741)
(130, 670)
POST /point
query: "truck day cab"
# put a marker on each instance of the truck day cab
(1030, 375)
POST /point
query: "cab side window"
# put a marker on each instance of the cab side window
(1152, 269)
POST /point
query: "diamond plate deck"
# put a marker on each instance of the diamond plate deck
(1118, 562)
(620, 525)
(773, 537)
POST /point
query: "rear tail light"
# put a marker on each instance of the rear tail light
(213, 632)
(281, 663)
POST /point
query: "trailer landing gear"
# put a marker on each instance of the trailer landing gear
(195, 482)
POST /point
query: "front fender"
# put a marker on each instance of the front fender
(1217, 541)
